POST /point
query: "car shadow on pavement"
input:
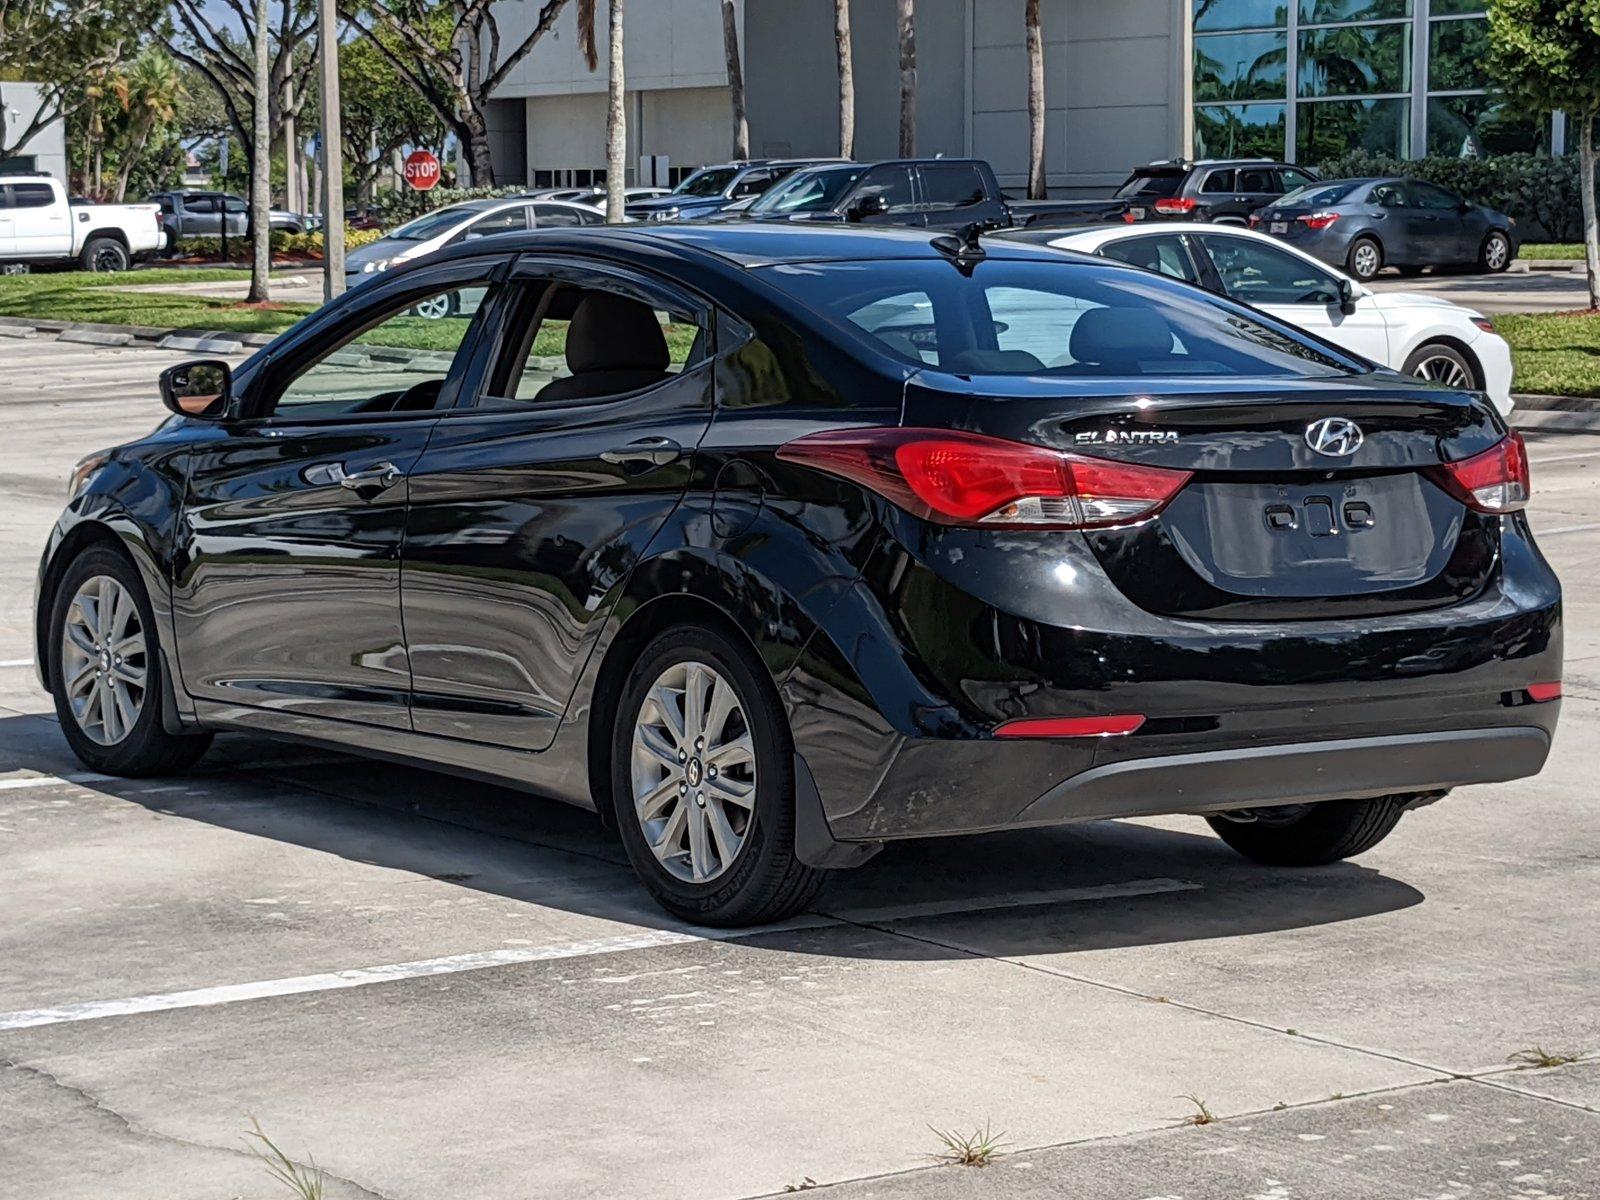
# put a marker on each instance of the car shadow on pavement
(1053, 890)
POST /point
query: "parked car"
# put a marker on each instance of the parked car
(1367, 224)
(1426, 336)
(924, 193)
(462, 222)
(1224, 191)
(40, 226)
(204, 214)
(710, 190)
(768, 581)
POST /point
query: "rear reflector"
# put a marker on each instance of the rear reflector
(1173, 206)
(1069, 727)
(1539, 693)
(972, 479)
(1496, 481)
(1319, 220)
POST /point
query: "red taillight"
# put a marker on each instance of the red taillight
(1070, 727)
(1175, 206)
(971, 479)
(1254, 220)
(1541, 693)
(1318, 220)
(1495, 481)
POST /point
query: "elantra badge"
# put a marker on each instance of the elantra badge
(1129, 437)
(1336, 437)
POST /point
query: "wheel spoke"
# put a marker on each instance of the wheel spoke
(653, 740)
(719, 708)
(722, 834)
(105, 664)
(122, 702)
(667, 841)
(649, 806)
(667, 708)
(740, 791)
(699, 844)
(696, 680)
(737, 753)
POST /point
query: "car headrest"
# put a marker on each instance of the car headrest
(613, 333)
(1120, 336)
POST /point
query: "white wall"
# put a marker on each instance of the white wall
(19, 102)
(670, 43)
(692, 126)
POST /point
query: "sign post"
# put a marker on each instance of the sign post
(332, 151)
(421, 170)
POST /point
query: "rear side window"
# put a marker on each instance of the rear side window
(1165, 254)
(32, 195)
(1319, 194)
(892, 183)
(952, 185)
(1294, 179)
(1151, 184)
(1218, 181)
(1257, 179)
(1049, 318)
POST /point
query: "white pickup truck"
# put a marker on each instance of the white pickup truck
(40, 226)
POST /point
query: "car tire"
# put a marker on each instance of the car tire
(104, 254)
(1442, 364)
(1311, 835)
(112, 716)
(1494, 255)
(1409, 272)
(1364, 259)
(709, 879)
(14, 268)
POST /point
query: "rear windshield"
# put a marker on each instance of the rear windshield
(1151, 184)
(1317, 195)
(1051, 319)
(709, 182)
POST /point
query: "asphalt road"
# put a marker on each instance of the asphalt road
(1513, 292)
(436, 988)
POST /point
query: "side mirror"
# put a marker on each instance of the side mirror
(202, 389)
(1347, 297)
(875, 205)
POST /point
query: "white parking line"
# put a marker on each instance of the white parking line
(1550, 458)
(38, 781)
(1544, 533)
(16, 662)
(643, 939)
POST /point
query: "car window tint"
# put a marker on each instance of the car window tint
(507, 220)
(1257, 179)
(1292, 179)
(32, 195)
(1426, 195)
(233, 204)
(952, 185)
(1258, 273)
(1027, 317)
(1218, 181)
(542, 349)
(755, 183)
(395, 365)
(892, 183)
(1165, 253)
(553, 216)
(1389, 195)
(1151, 185)
(200, 204)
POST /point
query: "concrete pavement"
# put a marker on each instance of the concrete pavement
(1514, 292)
(433, 986)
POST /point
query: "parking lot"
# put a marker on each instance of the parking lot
(434, 987)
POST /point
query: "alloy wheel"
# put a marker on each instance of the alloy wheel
(435, 309)
(693, 772)
(104, 660)
(1441, 368)
(1495, 252)
(1365, 260)
(108, 259)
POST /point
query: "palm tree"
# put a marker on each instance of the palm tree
(906, 20)
(1036, 109)
(730, 46)
(148, 93)
(616, 118)
(847, 79)
(260, 162)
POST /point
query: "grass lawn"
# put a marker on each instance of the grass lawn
(1572, 251)
(82, 296)
(1556, 354)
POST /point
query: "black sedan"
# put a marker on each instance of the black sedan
(1364, 225)
(772, 545)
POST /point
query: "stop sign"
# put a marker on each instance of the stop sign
(422, 169)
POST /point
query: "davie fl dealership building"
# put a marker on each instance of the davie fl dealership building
(1126, 82)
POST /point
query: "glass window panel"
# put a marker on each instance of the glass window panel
(1239, 130)
(1457, 51)
(1355, 60)
(1477, 126)
(1240, 14)
(1320, 12)
(1443, 8)
(1241, 66)
(1329, 128)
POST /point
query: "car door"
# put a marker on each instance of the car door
(1293, 288)
(8, 238)
(236, 214)
(953, 195)
(41, 224)
(1256, 187)
(893, 182)
(1434, 224)
(288, 596)
(201, 215)
(1448, 222)
(533, 502)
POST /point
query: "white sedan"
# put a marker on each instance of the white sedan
(459, 222)
(1419, 335)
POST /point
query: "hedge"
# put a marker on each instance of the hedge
(298, 245)
(1539, 190)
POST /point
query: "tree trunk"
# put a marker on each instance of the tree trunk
(474, 134)
(616, 126)
(907, 21)
(291, 153)
(261, 164)
(1037, 187)
(730, 46)
(847, 79)
(1591, 225)
(125, 168)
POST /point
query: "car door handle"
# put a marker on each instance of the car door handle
(371, 481)
(650, 451)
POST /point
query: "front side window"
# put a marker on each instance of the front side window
(1048, 318)
(1291, 179)
(1256, 179)
(1166, 254)
(397, 364)
(1389, 195)
(709, 182)
(1255, 272)
(507, 220)
(892, 183)
(755, 183)
(201, 204)
(809, 191)
(232, 204)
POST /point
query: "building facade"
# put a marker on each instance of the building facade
(46, 151)
(1126, 82)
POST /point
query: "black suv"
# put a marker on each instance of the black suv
(1221, 190)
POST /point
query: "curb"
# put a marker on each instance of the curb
(1561, 414)
(1524, 266)
(76, 331)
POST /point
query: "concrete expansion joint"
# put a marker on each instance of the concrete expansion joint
(94, 1102)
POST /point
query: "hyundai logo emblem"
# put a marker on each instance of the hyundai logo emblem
(1337, 437)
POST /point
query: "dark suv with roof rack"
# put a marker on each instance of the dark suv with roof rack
(1224, 191)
